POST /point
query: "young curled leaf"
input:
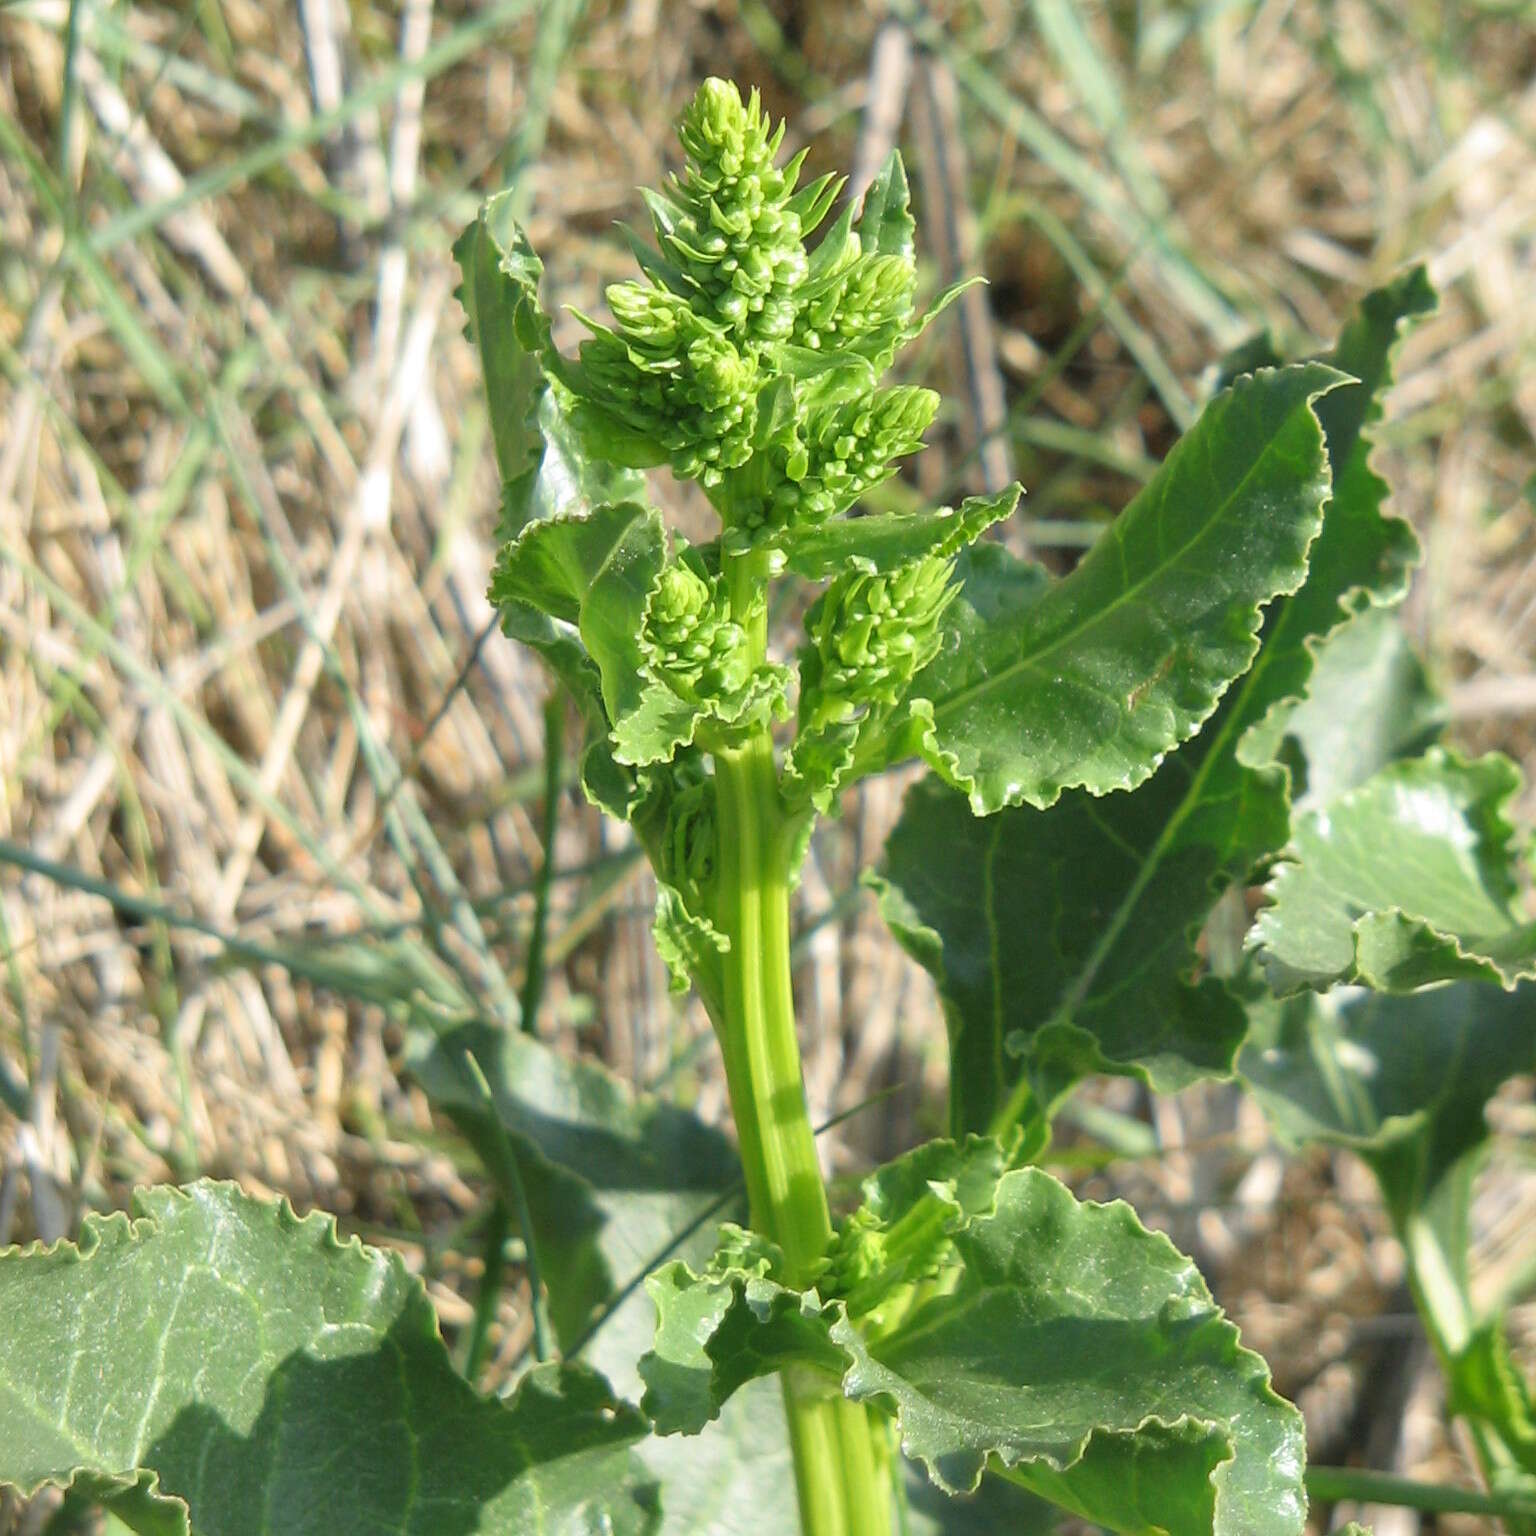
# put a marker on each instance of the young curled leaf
(882, 540)
(217, 1357)
(1412, 878)
(686, 861)
(901, 1232)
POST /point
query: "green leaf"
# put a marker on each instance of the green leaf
(885, 224)
(1403, 1082)
(1369, 703)
(1101, 900)
(882, 541)
(596, 572)
(1119, 662)
(499, 292)
(1084, 1354)
(573, 587)
(717, 1331)
(1061, 942)
(900, 1234)
(544, 466)
(1412, 878)
(220, 1363)
(1396, 1079)
(1362, 556)
(1486, 1384)
(1064, 1344)
(611, 1178)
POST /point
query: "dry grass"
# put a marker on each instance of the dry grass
(246, 508)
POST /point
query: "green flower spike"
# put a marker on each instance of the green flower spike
(732, 225)
(663, 386)
(845, 451)
(690, 642)
(870, 635)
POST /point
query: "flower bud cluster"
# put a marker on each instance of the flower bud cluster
(840, 453)
(738, 236)
(689, 640)
(695, 369)
(670, 379)
(870, 634)
(864, 306)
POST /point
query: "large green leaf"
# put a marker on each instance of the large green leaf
(219, 1361)
(1065, 942)
(1086, 1355)
(1063, 1344)
(612, 1178)
(1115, 665)
(1412, 878)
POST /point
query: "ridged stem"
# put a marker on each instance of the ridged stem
(842, 1484)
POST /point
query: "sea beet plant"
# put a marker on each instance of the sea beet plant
(1110, 752)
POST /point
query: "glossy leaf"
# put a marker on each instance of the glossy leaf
(1092, 909)
(1124, 659)
(1412, 878)
(217, 1359)
(1066, 1345)
(612, 1178)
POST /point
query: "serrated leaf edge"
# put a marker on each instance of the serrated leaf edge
(1246, 623)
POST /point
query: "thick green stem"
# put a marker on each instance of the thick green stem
(842, 1487)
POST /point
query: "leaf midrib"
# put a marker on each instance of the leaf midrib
(1024, 663)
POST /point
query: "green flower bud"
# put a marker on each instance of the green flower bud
(665, 376)
(870, 635)
(692, 645)
(865, 306)
(732, 224)
(842, 453)
(690, 641)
